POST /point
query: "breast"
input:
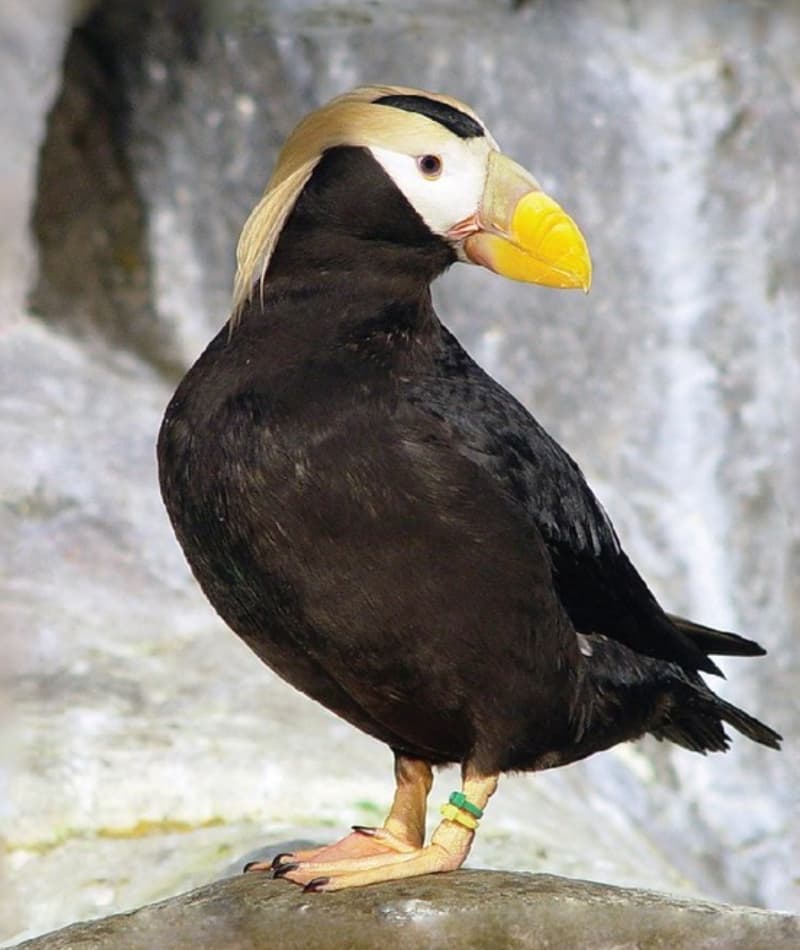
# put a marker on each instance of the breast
(341, 535)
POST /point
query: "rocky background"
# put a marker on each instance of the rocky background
(143, 749)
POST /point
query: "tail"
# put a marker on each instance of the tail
(696, 724)
(717, 642)
(663, 698)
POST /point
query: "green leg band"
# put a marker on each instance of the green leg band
(460, 800)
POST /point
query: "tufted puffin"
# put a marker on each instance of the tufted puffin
(387, 527)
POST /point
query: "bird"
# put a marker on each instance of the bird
(385, 525)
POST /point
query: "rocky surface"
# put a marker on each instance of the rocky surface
(143, 747)
(466, 910)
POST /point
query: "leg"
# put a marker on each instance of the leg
(403, 830)
(406, 819)
(447, 851)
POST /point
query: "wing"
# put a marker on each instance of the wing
(600, 589)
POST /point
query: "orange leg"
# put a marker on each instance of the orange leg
(406, 819)
(401, 850)
(402, 832)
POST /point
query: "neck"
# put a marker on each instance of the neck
(351, 270)
(353, 265)
(382, 322)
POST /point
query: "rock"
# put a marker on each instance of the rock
(465, 909)
(147, 747)
(32, 40)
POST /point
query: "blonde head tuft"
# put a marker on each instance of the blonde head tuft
(351, 119)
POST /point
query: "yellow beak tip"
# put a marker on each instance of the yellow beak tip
(573, 270)
(584, 278)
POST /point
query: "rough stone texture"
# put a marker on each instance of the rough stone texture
(473, 910)
(32, 39)
(147, 747)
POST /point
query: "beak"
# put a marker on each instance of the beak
(523, 234)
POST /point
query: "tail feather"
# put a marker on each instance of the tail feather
(746, 724)
(697, 734)
(717, 642)
(698, 725)
(674, 704)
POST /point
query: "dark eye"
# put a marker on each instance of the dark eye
(430, 165)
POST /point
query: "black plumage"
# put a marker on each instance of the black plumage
(395, 535)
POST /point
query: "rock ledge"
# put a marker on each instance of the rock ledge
(468, 909)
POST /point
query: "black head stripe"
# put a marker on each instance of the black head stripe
(458, 122)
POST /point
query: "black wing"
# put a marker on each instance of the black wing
(600, 589)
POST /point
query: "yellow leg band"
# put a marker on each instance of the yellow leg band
(452, 813)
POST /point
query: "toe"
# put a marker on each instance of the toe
(357, 872)
(385, 838)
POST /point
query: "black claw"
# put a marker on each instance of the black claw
(315, 886)
(277, 861)
(284, 869)
(249, 865)
(364, 830)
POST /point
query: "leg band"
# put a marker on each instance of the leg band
(452, 813)
(460, 800)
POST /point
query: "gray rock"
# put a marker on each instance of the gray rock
(32, 39)
(465, 909)
(146, 747)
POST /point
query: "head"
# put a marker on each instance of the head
(441, 157)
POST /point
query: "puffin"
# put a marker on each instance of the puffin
(386, 526)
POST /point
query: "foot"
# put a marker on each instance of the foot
(362, 842)
(354, 863)
(372, 855)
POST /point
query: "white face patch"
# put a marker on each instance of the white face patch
(444, 200)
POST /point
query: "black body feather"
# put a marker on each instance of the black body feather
(395, 535)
